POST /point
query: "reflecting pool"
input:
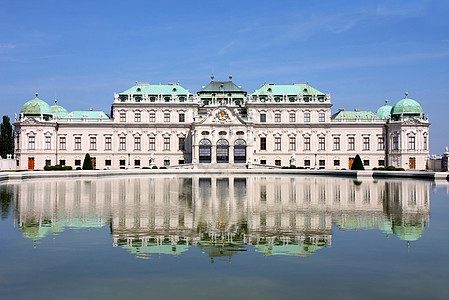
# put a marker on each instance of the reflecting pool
(236, 236)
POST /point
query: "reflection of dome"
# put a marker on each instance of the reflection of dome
(407, 107)
(59, 111)
(36, 107)
(408, 233)
(384, 111)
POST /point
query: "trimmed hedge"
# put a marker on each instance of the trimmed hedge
(389, 168)
(357, 164)
(57, 168)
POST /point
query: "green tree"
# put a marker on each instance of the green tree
(357, 163)
(87, 164)
(6, 138)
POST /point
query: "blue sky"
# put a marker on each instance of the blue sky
(362, 52)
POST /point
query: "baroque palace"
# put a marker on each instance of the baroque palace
(222, 126)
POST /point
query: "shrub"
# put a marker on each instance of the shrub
(78, 168)
(154, 167)
(163, 168)
(292, 167)
(357, 164)
(302, 168)
(57, 168)
(145, 168)
(87, 164)
(391, 168)
(285, 167)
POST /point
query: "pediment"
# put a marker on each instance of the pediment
(222, 115)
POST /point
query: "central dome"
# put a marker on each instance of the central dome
(35, 108)
(384, 111)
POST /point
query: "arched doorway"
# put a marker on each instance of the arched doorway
(222, 151)
(240, 151)
(205, 151)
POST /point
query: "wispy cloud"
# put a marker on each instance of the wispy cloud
(225, 48)
(7, 46)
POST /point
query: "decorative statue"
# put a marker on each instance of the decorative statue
(115, 97)
(293, 159)
(152, 160)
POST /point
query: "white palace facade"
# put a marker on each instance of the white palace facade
(222, 126)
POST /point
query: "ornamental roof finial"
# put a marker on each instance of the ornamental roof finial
(406, 94)
(230, 77)
(386, 101)
(212, 77)
(37, 94)
(56, 101)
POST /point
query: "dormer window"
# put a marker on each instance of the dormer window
(174, 89)
(152, 99)
(138, 89)
(304, 90)
(239, 133)
(167, 99)
(138, 99)
(269, 89)
(205, 132)
(182, 99)
(123, 98)
(229, 95)
(222, 133)
(291, 99)
(277, 99)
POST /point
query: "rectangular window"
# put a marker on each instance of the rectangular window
(62, 143)
(292, 143)
(306, 117)
(381, 162)
(425, 142)
(108, 162)
(152, 117)
(48, 143)
(167, 117)
(277, 143)
(292, 117)
(182, 142)
(122, 143)
(137, 145)
(277, 117)
(181, 117)
(366, 143)
(166, 143)
(263, 143)
(137, 117)
(93, 143)
(122, 117)
(395, 143)
(380, 143)
(366, 162)
(322, 162)
(48, 162)
(122, 163)
(62, 162)
(108, 143)
(336, 143)
(336, 162)
(321, 117)
(351, 143)
(307, 143)
(263, 118)
(152, 143)
(277, 162)
(307, 162)
(77, 143)
(321, 143)
(263, 161)
(411, 143)
(77, 162)
(166, 162)
(181, 162)
(137, 162)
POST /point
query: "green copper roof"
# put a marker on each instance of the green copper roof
(384, 111)
(164, 89)
(88, 114)
(36, 107)
(408, 232)
(353, 115)
(220, 87)
(59, 111)
(407, 106)
(293, 89)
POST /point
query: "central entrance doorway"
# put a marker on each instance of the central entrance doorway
(240, 151)
(205, 151)
(222, 151)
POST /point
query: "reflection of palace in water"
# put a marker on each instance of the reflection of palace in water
(223, 215)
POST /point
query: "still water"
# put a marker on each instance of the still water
(222, 237)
